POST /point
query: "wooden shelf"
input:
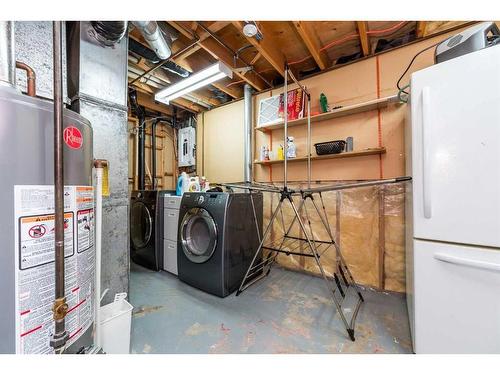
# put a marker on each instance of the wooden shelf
(351, 154)
(341, 112)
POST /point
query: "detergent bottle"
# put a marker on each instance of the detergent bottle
(194, 184)
(181, 184)
(291, 150)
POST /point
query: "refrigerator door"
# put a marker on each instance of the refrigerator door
(455, 145)
(457, 298)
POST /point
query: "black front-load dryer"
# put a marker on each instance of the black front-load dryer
(146, 227)
(218, 237)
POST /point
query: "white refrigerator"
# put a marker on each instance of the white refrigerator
(453, 205)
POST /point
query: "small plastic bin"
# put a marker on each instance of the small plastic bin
(116, 320)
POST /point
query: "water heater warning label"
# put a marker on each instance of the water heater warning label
(34, 221)
(37, 239)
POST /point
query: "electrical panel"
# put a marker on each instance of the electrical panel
(187, 146)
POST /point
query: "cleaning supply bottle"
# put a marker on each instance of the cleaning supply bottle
(291, 150)
(181, 184)
(194, 184)
(323, 102)
(281, 155)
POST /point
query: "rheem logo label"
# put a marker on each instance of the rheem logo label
(73, 137)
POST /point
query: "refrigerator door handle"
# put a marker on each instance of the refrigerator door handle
(467, 262)
(426, 189)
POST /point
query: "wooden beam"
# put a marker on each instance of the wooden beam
(148, 101)
(312, 43)
(233, 91)
(221, 53)
(421, 29)
(184, 31)
(158, 73)
(256, 58)
(363, 37)
(184, 103)
(267, 47)
(214, 27)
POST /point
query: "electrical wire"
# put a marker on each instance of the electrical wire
(410, 64)
(388, 30)
(337, 42)
(353, 36)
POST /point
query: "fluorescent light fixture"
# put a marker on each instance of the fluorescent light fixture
(202, 78)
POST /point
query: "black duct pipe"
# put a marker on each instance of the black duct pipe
(153, 154)
(143, 51)
(109, 33)
(141, 150)
(141, 133)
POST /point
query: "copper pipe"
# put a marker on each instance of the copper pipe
(60, 309)
(30, 77)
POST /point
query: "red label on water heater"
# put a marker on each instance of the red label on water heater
(73, 137)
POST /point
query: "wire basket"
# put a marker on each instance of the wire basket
(330, 147)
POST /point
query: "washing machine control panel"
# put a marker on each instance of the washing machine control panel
(213, 199)
(205, 199)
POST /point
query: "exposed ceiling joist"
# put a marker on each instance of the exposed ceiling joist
(148, 101)
(363, 37)
(214, 27)
(233, 91)
(267, 48)
(160, 74)
(256, 58)
(421, 29)
(221, 53)
(312, 43)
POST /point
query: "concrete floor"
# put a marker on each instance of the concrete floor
(287, 312)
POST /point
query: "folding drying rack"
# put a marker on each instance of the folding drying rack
(342, 283)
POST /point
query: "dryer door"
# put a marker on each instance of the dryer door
(198, 235)
(141, 225)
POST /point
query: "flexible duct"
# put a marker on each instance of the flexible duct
(7, 57)
(154, 37)
(248, 132)
(109, 33)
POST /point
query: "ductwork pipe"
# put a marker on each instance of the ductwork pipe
(248, 132)
(109, 33)
(154, 37)
(7, 56)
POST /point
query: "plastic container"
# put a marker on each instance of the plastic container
(194, 184)
(291, 150)
(281, 155)
(116, 321)
(182, 183)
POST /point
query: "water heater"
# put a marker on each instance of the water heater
(27, 225)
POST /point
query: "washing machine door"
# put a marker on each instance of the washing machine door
(141, 225)
(198, 235)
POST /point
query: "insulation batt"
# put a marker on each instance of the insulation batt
(359, 233)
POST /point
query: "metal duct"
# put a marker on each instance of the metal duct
(109, 33)
(154, 37)
(248, 132)
(7, 56)
(97, 86)
(142, 51)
